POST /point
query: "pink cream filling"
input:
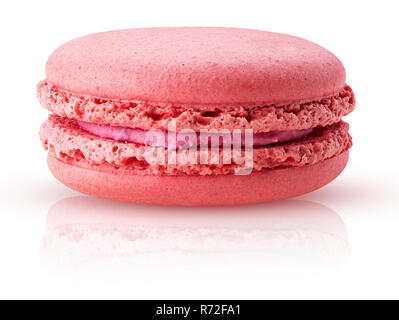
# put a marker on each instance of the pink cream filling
(158, 138)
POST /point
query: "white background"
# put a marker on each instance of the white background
(281, 250)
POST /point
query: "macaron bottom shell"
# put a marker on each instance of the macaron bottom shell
(184, 190)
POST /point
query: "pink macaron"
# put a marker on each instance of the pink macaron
(195, 116)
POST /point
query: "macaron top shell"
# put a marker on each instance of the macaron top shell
(196, 66)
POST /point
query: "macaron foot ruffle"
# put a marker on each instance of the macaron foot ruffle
(147, 116)
(67, 142)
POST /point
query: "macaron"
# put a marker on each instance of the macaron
(195, 116)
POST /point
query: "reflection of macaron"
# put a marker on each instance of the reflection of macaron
(130, 109)
(83, 230)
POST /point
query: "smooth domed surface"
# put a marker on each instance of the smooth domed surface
(269, 185)
(196, 66)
